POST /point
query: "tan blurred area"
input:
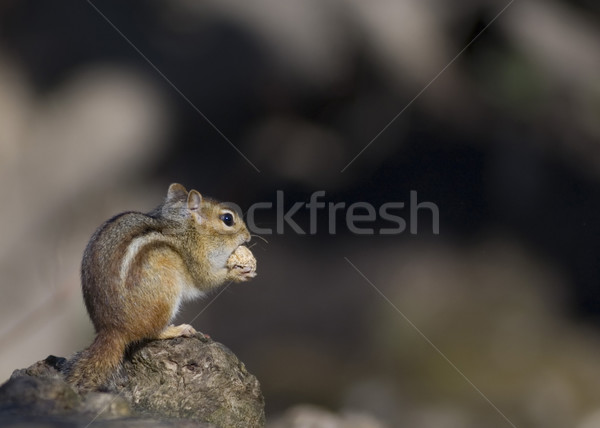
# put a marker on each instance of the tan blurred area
(63, 159)
(492, 323)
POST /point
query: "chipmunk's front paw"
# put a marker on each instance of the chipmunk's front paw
(241, 264)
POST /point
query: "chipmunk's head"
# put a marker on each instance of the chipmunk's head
(215, 230)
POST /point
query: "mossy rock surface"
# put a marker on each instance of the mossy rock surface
(187, 382)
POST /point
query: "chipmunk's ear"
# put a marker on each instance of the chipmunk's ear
(176, 193)
(194, 200)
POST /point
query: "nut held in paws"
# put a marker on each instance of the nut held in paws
(243, 261)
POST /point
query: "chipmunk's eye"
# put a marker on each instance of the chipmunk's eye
(227, 218)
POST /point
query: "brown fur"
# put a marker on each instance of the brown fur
(137, 269)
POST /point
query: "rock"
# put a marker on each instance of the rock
(194, 378)
(182, 382)
(38, 395)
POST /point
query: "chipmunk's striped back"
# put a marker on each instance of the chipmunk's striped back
(138, 268)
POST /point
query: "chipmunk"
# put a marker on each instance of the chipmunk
(138, 268)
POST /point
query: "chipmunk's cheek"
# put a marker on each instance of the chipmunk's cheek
(242, 264)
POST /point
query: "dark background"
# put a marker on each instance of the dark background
(505, 141)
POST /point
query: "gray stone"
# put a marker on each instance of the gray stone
(182, 382)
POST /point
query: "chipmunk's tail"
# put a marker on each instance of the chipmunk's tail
(91, 369)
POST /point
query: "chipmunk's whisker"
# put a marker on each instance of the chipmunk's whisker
(260, 237)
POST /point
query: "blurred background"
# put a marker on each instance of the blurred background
(103, 104)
